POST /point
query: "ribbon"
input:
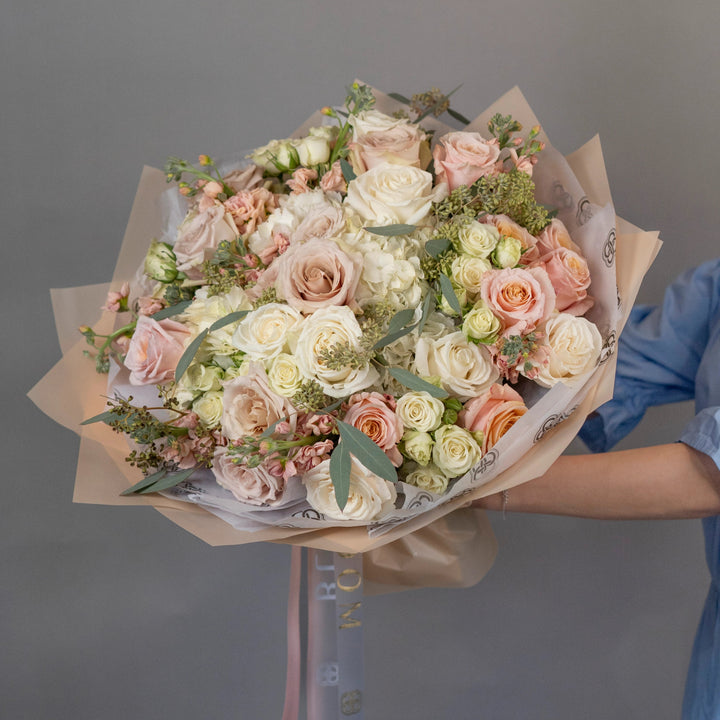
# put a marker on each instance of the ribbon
(292, 677)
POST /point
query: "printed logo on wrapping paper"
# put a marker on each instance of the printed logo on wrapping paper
(584, 210)
(328, 674)
(309, 514)
(608, 251)
(562, 199)
(422, 498)
(388, 523)
(608, 347)
(351, 702)
(551, 422)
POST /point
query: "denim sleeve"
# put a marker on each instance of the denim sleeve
(703, 433)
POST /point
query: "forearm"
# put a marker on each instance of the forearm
(665, 481)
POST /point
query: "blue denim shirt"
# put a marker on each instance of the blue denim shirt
(669, 353)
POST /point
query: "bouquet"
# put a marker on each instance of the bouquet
(348, 333)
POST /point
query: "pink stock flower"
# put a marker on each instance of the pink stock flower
(212, 189)
(255, 486)
(300, 178)
(154, 350)
(249, 208)
(307, 457)
(333, 180)
(318, 424)
(117, 301)
(149, 305)
(369, 412)
(463, 157)
(493, 413)
(520, 298)
(570, 276)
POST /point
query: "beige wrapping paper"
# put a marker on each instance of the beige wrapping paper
(449, 545)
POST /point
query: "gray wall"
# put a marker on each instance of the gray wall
(116, 613)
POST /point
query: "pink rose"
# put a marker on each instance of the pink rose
(510, 228)
(255, 486)
(370, 413)
(521, 298)
(154, 350)
(248, 178)
(463, 157)
(554, 236)
(333, 180)
(316, 275)
(250, 406)
(399, 145)
(570, 276)
(199, 237)
(493, 413)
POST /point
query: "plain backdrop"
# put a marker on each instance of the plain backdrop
(117, 614)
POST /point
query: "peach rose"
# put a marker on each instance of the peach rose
(570, 276)
(255, 486)
(155, 349)
(370, 413)
(199, 236)
(493, 413)
(463, 157)
(317, 275)
(554, 236)
(520, 298)
(250, 406)
(399, 145)
(509, 228)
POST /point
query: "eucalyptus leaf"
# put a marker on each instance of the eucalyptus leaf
(455, 114)
(432, 108)
(331, 407)
(102, 417)
(392, 230)
(427, 307)
(170, 480)
(449, 293)
(189, 354)
(171, 310)
(399, 98)
(347, 171)
(413, 382)
(145, 482)
(437, 246)
(340, 468)
(400, 319)
(367, 452)
(392, 337)
(230, 318)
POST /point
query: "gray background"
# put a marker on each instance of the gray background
(116, 613)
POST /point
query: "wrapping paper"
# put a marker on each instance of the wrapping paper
(449, 543)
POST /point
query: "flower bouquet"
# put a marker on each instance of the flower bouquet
(350, 333)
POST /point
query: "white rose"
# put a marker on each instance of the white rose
(467, 271)
(390, 194)
(418, 446)
(478, 239)
(209, 408)
(275, 157)
(429, 478)
(284, 375)
(266, 332)
(507, 252)
(373, 121)
(313, 150)
(419, 410)
(321, 331)
(201, 378)
(455, 450)
(481, 325)
(369, 498)
(574, 345)
(465, 369)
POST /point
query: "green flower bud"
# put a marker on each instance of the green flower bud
(449, 417)
(160, 262)
(507, 252)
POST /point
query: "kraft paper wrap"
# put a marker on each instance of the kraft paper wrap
(452, 545)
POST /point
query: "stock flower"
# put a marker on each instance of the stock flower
(371, 414)
(300, 179)
(521, 298)
(493, 413)
(570, 276)
(154, 351)
(419, 410)
(463, 157)
(455, 450)
(465, 369)
(255, 486)
(369, 498)
(333, 180)
(266, 332)
(428, 477)
(390, 194)
(573, 344)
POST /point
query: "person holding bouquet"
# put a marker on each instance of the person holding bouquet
(667, 353)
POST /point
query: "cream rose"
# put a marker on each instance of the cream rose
(322, 330)
(390, 194)
(507, 252)
(419, 410)
(284, 375)
(313, 150)
(199, 378)
(429, 478)
(418, 446)
(370, 496)
(266, 332)
(463, 157)
(209, 408)
(455, 450)
(399, 143)
(480, 324)
(574, 345)
(199, 237)
(477, 239)
(465, 369)
(467, 271)
(255, 486)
